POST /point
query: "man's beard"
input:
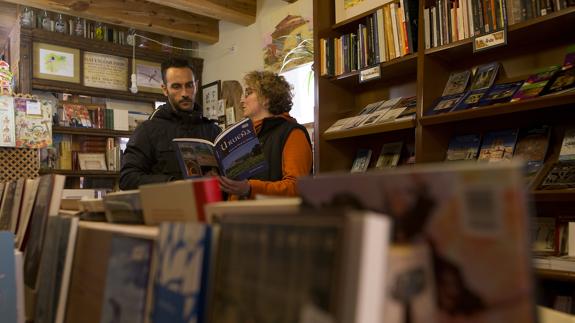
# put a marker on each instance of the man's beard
(178, 107)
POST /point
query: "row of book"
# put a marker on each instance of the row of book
(25, 122)
(529, 144)
(448, 21)
(380, 112)
(392, 154)
(388, 33)
(460, 93)
(83, 153)
(321, 261)
(98, 116)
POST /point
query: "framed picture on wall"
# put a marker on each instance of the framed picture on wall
(148, 76)
(210, 98)
(56, 63)
(347, 9)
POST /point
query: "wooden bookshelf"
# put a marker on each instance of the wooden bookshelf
(555, 274)
(369, 130)
(81, 173)
(562, 195)
(91, 132)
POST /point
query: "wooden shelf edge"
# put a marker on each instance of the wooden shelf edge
(78, 173)
(544, 102)
(374, 129)
(513, 28)
(384, 66)
(91, 131)
(561, 195)
(555, 274)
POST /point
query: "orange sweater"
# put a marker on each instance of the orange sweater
(297, 161)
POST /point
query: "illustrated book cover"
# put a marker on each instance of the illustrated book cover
(567, 153)
(532, 145)
(498, 145)
(562, 81)
(389, 155)
(534, 84)
(126, 280)
(500, 93)
(470, 99)
(181, 278)
(463, 147)
(472, 215)
(484, 76)
(7, 124)
(361, 161)
(235, 153)
(444, 104)
(457, 83)
(33, 123)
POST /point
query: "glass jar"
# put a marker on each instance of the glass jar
(130, 38)
(60, 25)
(46, 21)
(27, 18)
(99, 31)
(79, 27)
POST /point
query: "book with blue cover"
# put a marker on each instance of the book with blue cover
(498, 145)
(500, 93)
(8, 306)
(235, 153)
(532, 145)
(463, 147)
(180, 282)
(126, 280)
(444, 104)
(470, 100)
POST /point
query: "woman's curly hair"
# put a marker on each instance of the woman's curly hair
(272, 87)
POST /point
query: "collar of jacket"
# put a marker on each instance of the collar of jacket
(166, 111)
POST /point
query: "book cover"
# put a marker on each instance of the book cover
(470, 100)
(562, 81)
(567, 152)
(30, 189)
(124, 207)
(500, 93)
(463, 147)
(51, 270)
(361, 161)
(187, 200)
(7, 124)
(532, 145)
(181, 278)
(135, 118)
(444, 104)
(236, 153)
(7, 205)
(534, 84)
(457, 83)
(484, 76)
(126, 280)
(474, 216)
(391, 115)
(389, 155)
(543, 235)
(33, 123)
(8, 303)
(498, 145)
(561, 176)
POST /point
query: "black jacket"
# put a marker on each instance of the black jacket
(150, 156)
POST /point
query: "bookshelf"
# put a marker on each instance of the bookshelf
(532, 45)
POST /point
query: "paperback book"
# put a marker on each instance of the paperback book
(562, 81)
(389, 156)
(534, 84)
(361, 161)
(463, 147)
(470, 99)
(498, 145)
(532, 145)
(484, 76)
(445, 104)
(236, 153)
(500, 93)
(457, 83)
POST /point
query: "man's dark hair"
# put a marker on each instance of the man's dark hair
(175, 62)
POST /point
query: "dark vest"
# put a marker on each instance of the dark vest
(273, 135)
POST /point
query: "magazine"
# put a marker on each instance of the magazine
(235, 153)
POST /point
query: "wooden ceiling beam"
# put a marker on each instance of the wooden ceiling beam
(242, 12)
(139, 14)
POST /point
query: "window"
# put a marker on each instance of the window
(301, 78)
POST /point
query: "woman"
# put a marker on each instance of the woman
(286, 144)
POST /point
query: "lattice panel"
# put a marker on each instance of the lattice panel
(17, 163)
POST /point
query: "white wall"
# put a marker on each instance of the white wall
(220, 63)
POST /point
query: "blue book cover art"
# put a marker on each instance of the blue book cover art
(500, 93)
(7, 278)
(181, 276)
(444, 104)
(498, 145)
(484, 76)
(463, 147)
(239, 151)
(196, 158)
(126, 280)
(470, 100)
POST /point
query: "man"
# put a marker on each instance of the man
(149, 156)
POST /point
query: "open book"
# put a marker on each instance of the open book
(235, 153)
